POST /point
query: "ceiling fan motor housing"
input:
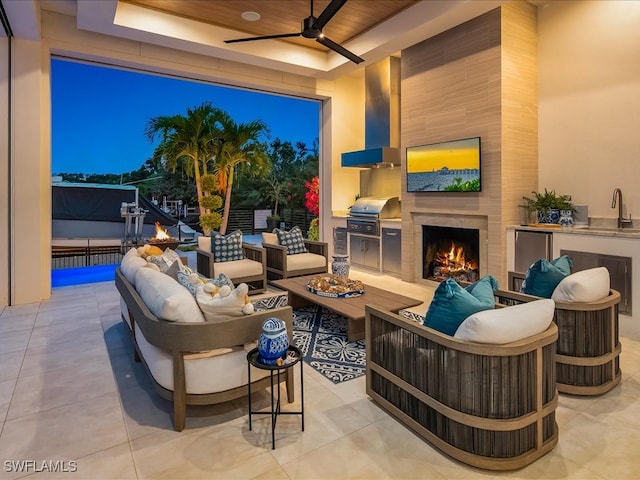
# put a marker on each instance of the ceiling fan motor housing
(307, 28)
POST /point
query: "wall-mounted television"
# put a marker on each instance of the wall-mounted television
(452, 166)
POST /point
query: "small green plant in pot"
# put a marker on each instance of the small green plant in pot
(550, 206)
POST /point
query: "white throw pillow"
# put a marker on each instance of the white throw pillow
(508, 324)
(583, 286)
(225, 304)
(130, 264)
(166, 298)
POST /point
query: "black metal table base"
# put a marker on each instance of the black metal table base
(275, 370)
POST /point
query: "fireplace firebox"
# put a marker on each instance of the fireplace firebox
(450, 252)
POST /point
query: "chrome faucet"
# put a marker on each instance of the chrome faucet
(622, 222)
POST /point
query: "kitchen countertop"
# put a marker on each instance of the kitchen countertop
(581, 230)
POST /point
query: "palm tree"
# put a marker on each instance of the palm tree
(188, 140)
(239, 148)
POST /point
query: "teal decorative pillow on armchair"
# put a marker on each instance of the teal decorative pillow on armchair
(451, 303)
(543, 276)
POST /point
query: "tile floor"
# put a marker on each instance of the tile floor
(70, 391)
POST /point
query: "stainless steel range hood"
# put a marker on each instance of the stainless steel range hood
(382, 117)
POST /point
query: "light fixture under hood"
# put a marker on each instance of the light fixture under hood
(382, 117)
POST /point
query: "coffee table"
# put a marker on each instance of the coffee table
(351, 308)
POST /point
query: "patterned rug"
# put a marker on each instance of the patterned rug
(321, 336)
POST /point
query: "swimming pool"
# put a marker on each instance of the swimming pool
(63, 277)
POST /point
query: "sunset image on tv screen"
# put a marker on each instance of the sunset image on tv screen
(444, 167)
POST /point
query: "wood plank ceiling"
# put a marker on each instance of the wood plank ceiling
(282, 16)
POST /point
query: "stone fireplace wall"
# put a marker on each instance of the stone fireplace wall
(477, 79)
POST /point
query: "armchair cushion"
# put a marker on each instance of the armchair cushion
(509, 324)
(239, 268)
(293, 240)
(543, 276)
(271, 238)
(451, 303)
(227, 248)
(303, 261)
(583, 286)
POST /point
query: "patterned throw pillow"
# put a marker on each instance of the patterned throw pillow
(165, 260)
(227, 248)
(191, 280)
(293, 240)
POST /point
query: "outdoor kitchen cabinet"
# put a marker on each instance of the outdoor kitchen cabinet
(364, 251)
(391, 248)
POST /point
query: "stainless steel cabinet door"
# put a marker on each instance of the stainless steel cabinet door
(531, 247)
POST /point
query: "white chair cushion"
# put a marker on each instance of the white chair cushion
(207, 372)
(204, 243)
(583, 286)
(508, 324)
(238, 268)
(166, 298)
(130, 264)
(301, 261)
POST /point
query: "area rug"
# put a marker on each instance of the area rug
(321, 336)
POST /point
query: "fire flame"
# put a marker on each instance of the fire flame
(161, 233)
(454, 259)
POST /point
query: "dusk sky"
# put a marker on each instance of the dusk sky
(99, 114)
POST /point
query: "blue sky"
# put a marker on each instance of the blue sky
(99, 114)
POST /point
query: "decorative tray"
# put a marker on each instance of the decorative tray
(334, 286)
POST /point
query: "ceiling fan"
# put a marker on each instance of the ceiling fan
(312, 28)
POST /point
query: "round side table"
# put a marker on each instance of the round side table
(293, 357)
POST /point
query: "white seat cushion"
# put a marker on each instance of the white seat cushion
(583, 286)
(206, 372)
(508, 324)
(130, 264)
(270, 238)
(238, 268)
(302, 261)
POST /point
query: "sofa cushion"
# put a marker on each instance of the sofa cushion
(131, 262)
(166, 298)
(227, 248)
(583, 286)
(293, 240)
(205, 372)
(508, 324)
(543, 276)
(451, 303)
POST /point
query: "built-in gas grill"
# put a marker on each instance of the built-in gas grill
(365, 214)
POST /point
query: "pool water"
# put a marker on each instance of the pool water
(63, 277)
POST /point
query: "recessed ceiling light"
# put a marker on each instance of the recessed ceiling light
(250, 16)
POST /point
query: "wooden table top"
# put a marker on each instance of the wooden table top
(353, 307)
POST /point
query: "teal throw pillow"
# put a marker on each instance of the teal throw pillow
(293, 240)
(227, 248)
(543, 276)
(452, 304)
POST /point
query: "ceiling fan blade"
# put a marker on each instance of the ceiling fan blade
(327, 13)
(265, 37)
(339, 49)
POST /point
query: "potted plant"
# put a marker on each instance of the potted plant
(550, 206)
(273, 221)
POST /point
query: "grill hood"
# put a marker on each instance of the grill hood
(382, 117)
(376, 207)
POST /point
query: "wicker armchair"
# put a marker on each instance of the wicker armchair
(588, 351)
(280, 265)
(490, 406)
(252, 270)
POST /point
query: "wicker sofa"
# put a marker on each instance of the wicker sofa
(490, 406)
(588, 348)
(195, 363)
